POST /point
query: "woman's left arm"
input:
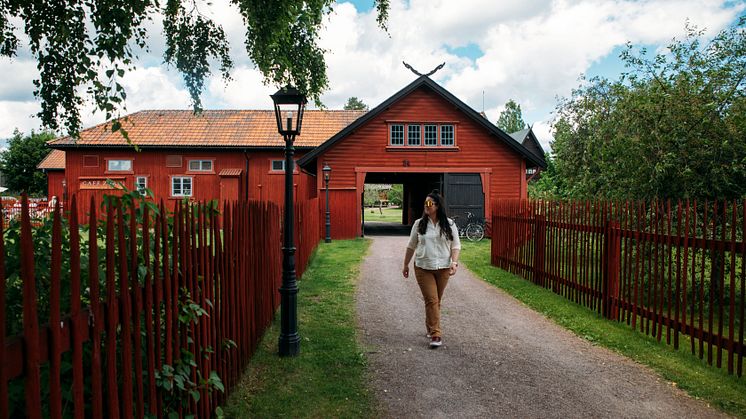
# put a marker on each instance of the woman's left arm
(455, 249)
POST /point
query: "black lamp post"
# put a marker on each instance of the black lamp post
(289, 106)
(327, 172)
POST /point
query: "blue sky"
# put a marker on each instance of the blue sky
(531, 51)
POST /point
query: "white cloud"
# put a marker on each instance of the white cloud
(18, 115)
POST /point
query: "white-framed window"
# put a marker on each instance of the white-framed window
(119, 165)
(279, 165)
(181, 186)
(413, 135)
(397, 134)
(446, 135)
(431, 134)
(141, 183)
(200, 165)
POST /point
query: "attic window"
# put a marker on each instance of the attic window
(446, 135)
(396, 134)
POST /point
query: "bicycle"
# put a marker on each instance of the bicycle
(473, 230)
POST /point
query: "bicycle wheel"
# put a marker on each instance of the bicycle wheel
(474, 232)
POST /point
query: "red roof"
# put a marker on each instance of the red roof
(211, 128)
(55, 160)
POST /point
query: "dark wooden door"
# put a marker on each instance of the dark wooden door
(463, 193)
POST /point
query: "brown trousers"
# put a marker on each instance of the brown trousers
(432, 284)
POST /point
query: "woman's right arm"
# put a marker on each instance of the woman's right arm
(407, 259)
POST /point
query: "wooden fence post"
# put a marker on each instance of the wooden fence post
(540, 235)
(611, 260)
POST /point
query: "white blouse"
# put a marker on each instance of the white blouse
(432, 250)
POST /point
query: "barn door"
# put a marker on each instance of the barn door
(463, 193)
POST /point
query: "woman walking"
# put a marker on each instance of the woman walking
(435, 245)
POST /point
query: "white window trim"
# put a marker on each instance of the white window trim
(201, 165)
(453, 135)
(109, 169)
(403, 137)
(419, 138)
(137, 184)
(272, 166)
(424, 135)
(182, 194)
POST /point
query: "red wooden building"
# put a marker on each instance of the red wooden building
(54, 167)
(422, 137)
(200, 157)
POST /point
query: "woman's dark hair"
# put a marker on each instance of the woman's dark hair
(441, 214)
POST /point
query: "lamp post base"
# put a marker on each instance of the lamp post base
(289, 345)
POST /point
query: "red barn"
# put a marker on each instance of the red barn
(422, 137)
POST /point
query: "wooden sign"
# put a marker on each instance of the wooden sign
(99, 183)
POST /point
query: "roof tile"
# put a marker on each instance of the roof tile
(55, 160)
(212, 128)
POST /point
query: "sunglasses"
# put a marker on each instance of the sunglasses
(429, 203)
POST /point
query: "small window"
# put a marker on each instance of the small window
(200, 165)
(413, 135)
(119, 165)
(173, 160)
(431, 135)
(90, 161)
(446, 135)
(181, 186)
(397, 134)
(141, 183)
(279, 166)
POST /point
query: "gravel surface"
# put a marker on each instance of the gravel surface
(498, 358)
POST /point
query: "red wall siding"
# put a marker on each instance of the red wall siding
(54, 184)
(264, 184)
(367, 147)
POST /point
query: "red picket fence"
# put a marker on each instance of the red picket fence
(101, 325)
(663, 268)
(306, 232)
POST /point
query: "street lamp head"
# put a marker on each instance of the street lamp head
(327, 171)
(289, 107)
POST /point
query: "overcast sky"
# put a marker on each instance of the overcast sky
(532, 51)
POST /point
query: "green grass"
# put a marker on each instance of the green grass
(328, 378)
(684, 370)
(390, 215)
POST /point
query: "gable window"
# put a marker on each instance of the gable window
(119, 165)
(181, 186)
(413, 135)
(431, 135)
(141, 183)
(279, 165)
(397, 134)
(200, 165)
(446, 135)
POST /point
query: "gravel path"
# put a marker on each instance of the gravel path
(499, 358)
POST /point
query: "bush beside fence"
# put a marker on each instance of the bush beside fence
(663, 268)
(157, 311)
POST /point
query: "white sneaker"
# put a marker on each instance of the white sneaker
(436, 341)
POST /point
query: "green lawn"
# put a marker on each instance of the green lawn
(680, 368)
(328, 378)
(390, 215)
